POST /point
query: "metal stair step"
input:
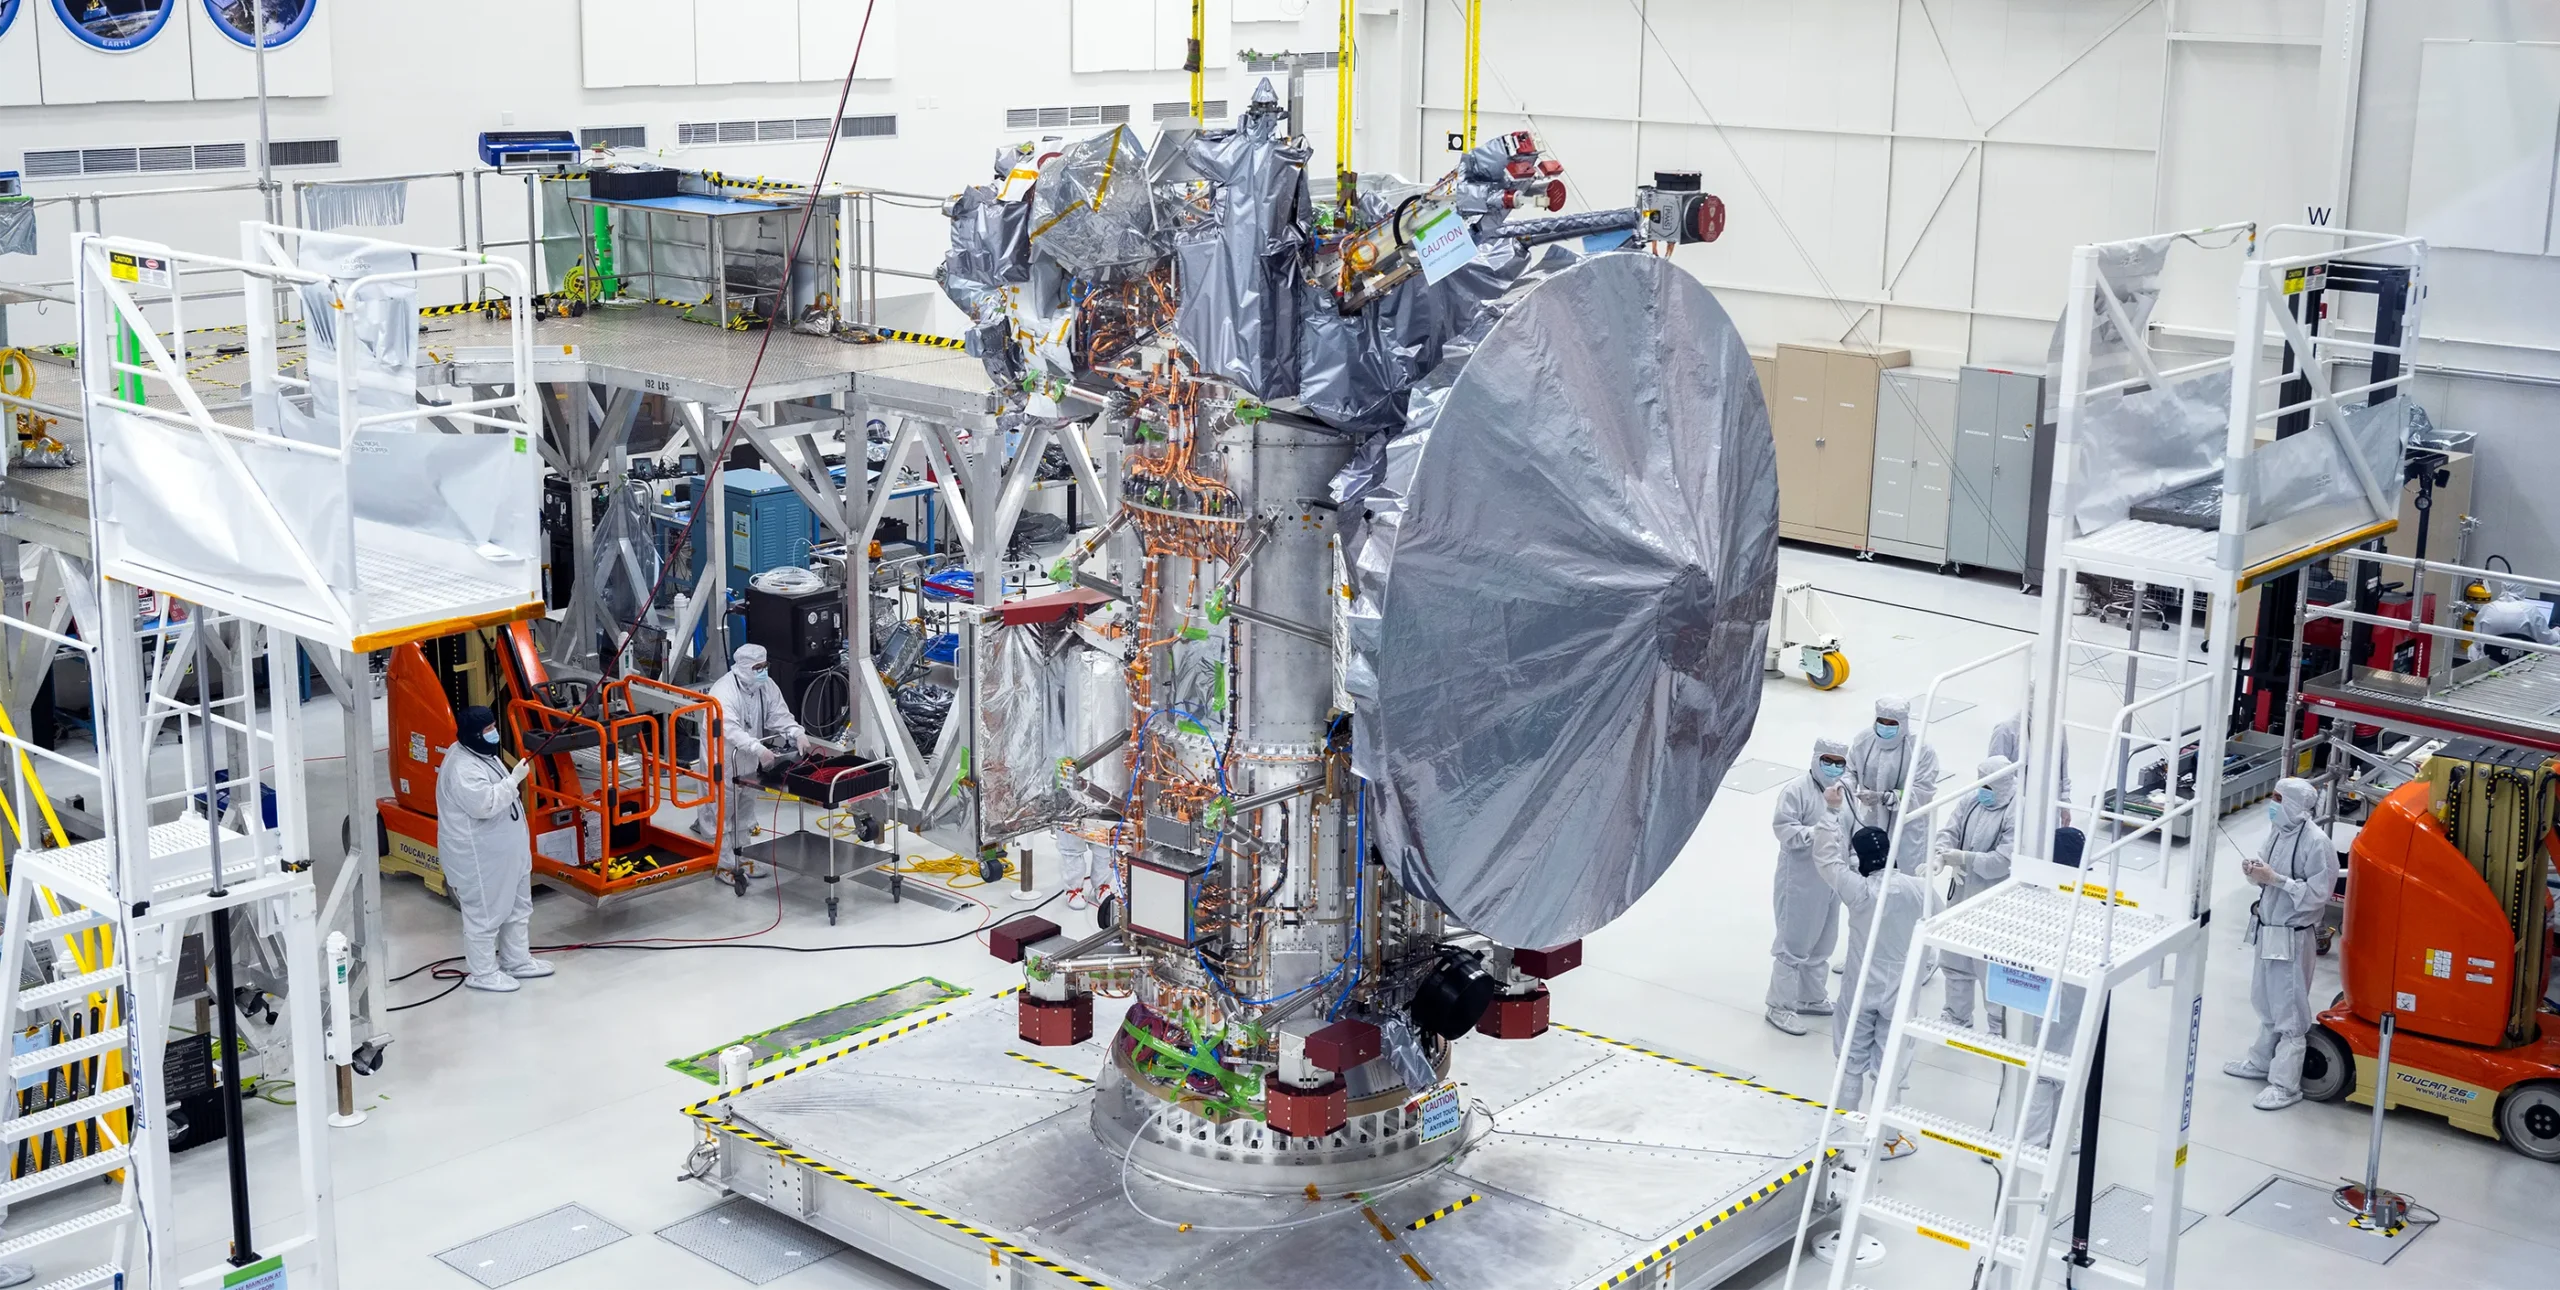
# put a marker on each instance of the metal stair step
(63, 1175)
(19, 1128)
(105, 1274)
(95, 1218)
(68, 921)
(65, 1053)
(1944, 1230)
(1962, 1136)
(72, 987)
(1981, 1044)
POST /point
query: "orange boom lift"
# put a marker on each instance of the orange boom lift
(2446, 926)
(595, 819)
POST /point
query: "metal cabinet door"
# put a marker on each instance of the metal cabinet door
(1896, 433)
(1969, 495)
(1933, 400)
(2013, 470)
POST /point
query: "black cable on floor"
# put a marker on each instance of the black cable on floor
(732, 945)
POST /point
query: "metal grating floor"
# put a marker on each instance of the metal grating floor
(2022, 924)
(2290, 1207)
(749, 1241)
(511, 1254)
(1752, 775)
(2120, 1225)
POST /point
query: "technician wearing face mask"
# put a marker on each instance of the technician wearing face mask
(1877, 798)
(487, 854)
(1976, 843)
(754, 719)
(1809, 808)
(2294, 884)
(1859, 889)
(2008, 739)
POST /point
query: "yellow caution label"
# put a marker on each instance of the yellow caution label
(1962, 1145)
(1979, 1051)
(2182, 1156)
(2099, 891)
(1942, 1238)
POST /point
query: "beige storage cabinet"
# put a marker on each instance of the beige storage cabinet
(1822, 408)
(1915, 441)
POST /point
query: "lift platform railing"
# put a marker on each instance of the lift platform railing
(682, 716)
(302, 514)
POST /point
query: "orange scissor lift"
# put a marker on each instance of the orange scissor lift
(608, 759)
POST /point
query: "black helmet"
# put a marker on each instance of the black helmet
(1872, 845)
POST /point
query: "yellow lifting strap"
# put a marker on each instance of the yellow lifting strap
(1475, 59)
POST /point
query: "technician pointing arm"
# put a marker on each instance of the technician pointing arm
(1808, 917)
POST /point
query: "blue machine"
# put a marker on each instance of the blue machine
(769, 526)
(517, 150)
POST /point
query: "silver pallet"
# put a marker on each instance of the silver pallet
(950, 1148)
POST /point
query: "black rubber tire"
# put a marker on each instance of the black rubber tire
(2529, 1119)
(2328, 1066)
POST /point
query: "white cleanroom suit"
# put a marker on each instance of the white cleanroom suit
(487, 856)
(2294, 881)
(752, 712)
(1879, 798)
(1975, 845)
(1808, 915)
(1867, 1009)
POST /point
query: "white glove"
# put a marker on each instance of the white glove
(516, 776)
(764, 758)
(1832, 797)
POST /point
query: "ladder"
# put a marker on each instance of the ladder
(2059, 941)
(110, 914)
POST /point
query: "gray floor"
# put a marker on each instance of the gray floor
(496, 1109)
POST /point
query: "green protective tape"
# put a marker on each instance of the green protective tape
(796, 1036)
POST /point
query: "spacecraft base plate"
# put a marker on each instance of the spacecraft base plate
(950, 1148)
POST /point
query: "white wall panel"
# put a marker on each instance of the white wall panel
(2215, 173)
(1928, 253)
(2037, 204)
(1112, 35)
(1535, 59)
(746, 42)
(19, 83)
(635, 42)
(2481, 172)
(300, 67)
(1822, 62)
(828, 32)
(157, 71)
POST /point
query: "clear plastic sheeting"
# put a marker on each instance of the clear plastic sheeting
(1092, 212)
(368, 336)
(165, 497)
(2318, 468)
(375, 204)
(2155, 439)
(1602, 460)
(1097, 708)
(1238, 315)
(1022, 728)
(628, 561)
(17, 228)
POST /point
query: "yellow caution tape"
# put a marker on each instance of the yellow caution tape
(919, 338)
(1054, 1070)
(1730, 1211)
(1443, 1212)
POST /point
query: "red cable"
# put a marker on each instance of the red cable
(826, 157)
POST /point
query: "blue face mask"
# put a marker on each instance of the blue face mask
(1888, 731)
(1986, 797)
(1830, 771)
(489, 739)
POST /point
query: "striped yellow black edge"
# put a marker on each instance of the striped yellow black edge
(919, 338)
(1054, 1070)
(1703, 1070)
(1712, 1220)
(993, 1242)
(1443, 1212)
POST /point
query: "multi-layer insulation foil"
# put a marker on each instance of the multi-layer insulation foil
(1238, 264)
(1092, 212)
(1022, 727)
(1563, 573)
(990, 246)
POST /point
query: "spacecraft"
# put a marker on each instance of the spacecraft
(1427, 613)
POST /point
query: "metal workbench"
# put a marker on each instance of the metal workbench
(950, 1148)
